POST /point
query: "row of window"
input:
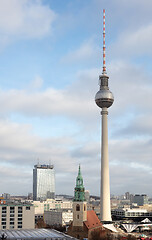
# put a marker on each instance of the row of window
(12, 222)
(13, 209)
(117, 213)
(11, 227)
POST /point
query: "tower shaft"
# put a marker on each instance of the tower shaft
(105, 209)
(104, 99)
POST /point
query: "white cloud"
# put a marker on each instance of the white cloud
(20, 149)
(24, 19)
(86, 51)
(36, 83)
(47, 102)
(133, 42)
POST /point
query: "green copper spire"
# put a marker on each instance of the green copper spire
(79, 194)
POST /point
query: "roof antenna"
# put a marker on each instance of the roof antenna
(104, 45)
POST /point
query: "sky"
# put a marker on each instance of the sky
(50, 62)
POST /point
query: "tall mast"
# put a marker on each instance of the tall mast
(104, 44)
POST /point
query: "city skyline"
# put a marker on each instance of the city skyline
(50, 60)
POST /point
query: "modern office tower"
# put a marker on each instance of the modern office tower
(104, 99)
(43, 182)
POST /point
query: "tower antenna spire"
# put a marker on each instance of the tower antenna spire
(104, 45)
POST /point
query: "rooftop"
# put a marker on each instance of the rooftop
(43, 166)
(92, 220)
(35, 234)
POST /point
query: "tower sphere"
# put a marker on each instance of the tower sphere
(104, 97)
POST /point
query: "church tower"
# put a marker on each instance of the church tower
(79, 202)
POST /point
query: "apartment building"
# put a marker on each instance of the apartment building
(16, 216)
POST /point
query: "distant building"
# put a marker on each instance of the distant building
(6, 196)
(141, 199)
(43, 182)
(87, 196)
(127, 195)
(131, 198)
(17, 216)
(50, 204)
(58, 217)
(136, 214)
(30, 196)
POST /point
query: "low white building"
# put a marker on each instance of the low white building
(58, 217)
(50, 204)
(130, 213)
(17, 216)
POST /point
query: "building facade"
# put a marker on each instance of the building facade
(141, 199)
(136, 214)
(50, 204)
(58, 217)
(43, 182)
(16, 216)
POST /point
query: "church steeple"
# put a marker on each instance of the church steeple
(79, 194)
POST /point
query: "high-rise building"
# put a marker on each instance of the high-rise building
(127, 195)
(43, 182)
(104, 99)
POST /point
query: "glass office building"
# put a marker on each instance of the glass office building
(43, 182)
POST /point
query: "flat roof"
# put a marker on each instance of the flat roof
(36, 234)
(44, 166)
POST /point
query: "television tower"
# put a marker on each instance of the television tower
(104, 99)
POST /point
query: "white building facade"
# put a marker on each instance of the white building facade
(50, 204)
(58, 217)
(131, 213)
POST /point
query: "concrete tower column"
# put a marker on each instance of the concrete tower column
(104, 99)
(105, 209)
